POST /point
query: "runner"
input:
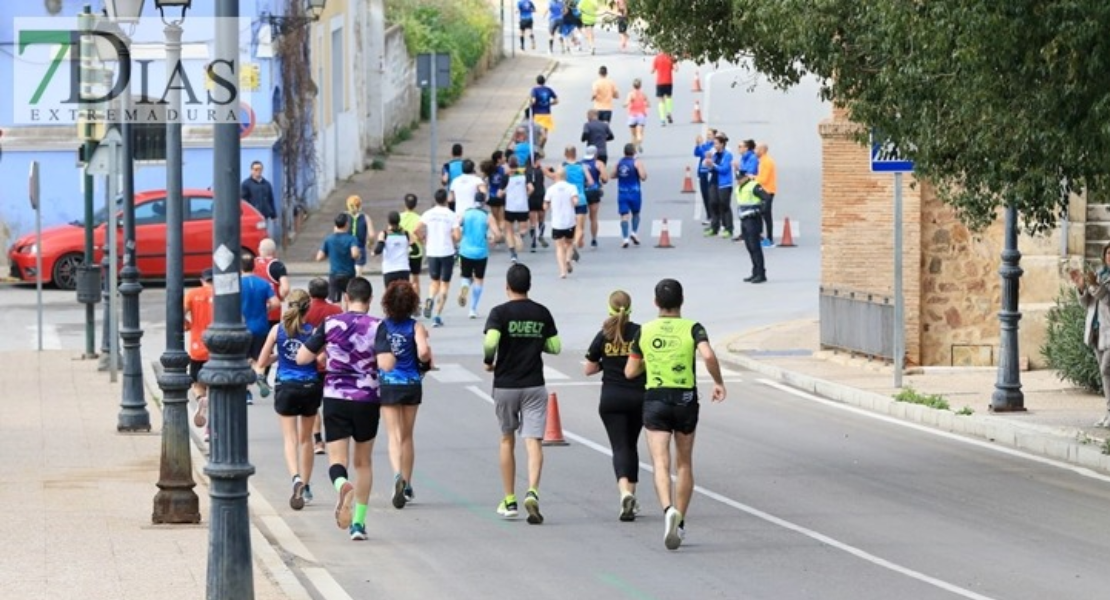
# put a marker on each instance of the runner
(622, 399)
(622, 23)
(362, 228)
(464, 187)
(637, 107)
(473, 233)
(318, 310)
(394, 246)
(256, 298)
(663, 67)
(666, 349)
(526, 9)
(580, 178)
(497, 176)
(341, 250)
(630, 173)
(297, 395)
(403, 357)
(572, 21)
(543, 98)
(453, 167)
(555, 10)
(271, 270)
(595, 167)
(198, 316)
(597, 133)
(409, 220)
(537, 184)
(435, 228)
(517, 192)
(518, 332)
(604, 92)
(351, 406)
(560, 200)
(588, 10)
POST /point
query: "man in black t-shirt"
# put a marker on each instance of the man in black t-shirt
(518, 332)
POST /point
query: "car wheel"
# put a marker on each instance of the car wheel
(65, 270)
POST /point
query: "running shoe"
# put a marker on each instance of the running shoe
(726, 233)
(508, 510)
(512, 256)
(250, 398)
(320, 448)
(296, 501)
(628, 507)
(570, 267)
(766, 243)
(671, 538)
(200, 417)
(358, 532)
(473, 314)
(410, 495)
(709, 233)
(574, 256)
(625, 243)
(532, 507)
(308, 497)
(670, 119)
(437, 322)
(593, 243)
(640, 148)
(543, 241)
(428, 308)
(635, 239)
(533, 246)
(463, 292)
(343, 506)
(263, 386)
(398, 492)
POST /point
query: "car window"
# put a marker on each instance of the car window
(151, 213)
(200, 209)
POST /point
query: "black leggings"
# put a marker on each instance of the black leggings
(622, 412)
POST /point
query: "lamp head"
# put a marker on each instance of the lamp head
(124, 11)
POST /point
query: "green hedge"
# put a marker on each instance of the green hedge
(462, 28)
(1064, 349)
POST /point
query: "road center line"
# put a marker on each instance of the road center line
(764, 516)
(1083, 471)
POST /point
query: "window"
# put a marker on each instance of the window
(151, 213)
(200, 209)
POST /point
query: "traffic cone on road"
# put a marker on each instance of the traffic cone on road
(688, 182)
(664, 237)
(787, 238)
(697, 112)
(697, 81)
(553, 436)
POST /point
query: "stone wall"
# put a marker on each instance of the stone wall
(400, 96)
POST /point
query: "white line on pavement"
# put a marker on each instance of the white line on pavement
(759, 514)
(1085, 472)
(326, 584)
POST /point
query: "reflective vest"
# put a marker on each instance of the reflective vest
(745, 194)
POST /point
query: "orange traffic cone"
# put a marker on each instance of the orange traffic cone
(688, 182)
(697, 81)
(697, 112)
(787, 239)
(664, 237)
(553, 436)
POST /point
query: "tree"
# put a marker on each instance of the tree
(998, 103)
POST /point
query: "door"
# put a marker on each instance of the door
(198, 234)
(150, 237)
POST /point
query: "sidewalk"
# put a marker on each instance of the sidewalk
(1057, 422)
(482, 121)
(79, 495)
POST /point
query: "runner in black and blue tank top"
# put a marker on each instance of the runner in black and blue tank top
(596, 168)
(629, 173)
(401, 346)
(298, 392)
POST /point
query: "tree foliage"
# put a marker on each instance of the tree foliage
(997, 102)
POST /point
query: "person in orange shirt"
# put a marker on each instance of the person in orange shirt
(198, 316)
(604, 92)
(663, 68)
(767, 178)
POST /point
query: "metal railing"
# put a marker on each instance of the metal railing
(861, 322)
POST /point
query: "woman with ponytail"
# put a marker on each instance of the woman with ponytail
(298, 392)
(622, 399)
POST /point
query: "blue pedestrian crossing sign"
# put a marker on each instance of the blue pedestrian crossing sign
(886, 157)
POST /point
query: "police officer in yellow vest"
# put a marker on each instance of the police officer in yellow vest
(667, 349)
(749, 198)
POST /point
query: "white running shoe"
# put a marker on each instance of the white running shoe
(628, 507)
(672, 539)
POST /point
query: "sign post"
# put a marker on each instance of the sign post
(33, 191)
(433, 71)
(886, 158)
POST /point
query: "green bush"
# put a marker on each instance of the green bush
(912, 396)
(1064, 349)
(463, 28)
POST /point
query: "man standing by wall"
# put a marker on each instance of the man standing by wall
(258, 192)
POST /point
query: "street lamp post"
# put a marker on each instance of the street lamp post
(227, 372)
(1007, 396)
(175, 502)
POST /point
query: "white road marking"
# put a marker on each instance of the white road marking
(759, 514)
(597, 382)
(550, 374)
(277, 526)
(1085, 472)
(453, 373)
(325, 584)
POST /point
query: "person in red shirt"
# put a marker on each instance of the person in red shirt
(319, 309)
(198, 316)
(663, 67)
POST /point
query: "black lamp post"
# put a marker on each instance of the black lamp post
(175, 502)
(227, 372)
(282, 24)
(133, 415)
(1007, 396)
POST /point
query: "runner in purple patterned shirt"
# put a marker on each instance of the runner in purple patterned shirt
(351, 409)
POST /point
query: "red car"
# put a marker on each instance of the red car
(63, 246)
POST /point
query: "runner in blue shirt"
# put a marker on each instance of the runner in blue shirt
(472, 233)
(256, 298)
(580, 178)
(543, 98)
(526, 9)
(555, 12)
(629, 173)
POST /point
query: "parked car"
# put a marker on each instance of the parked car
(63, 246)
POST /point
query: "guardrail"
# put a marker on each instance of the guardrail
(860, 322)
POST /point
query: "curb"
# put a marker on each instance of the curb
(1054, 443)
(264, 552)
